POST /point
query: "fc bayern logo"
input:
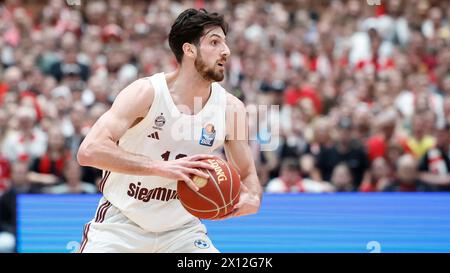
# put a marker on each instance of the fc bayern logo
(160, 120)
(201, 244)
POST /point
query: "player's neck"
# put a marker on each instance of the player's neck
(185, 87)
(189, 82)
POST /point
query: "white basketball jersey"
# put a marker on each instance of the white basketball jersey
(164, 134)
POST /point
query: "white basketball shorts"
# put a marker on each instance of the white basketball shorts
(113, 232)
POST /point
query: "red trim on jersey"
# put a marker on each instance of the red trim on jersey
(102, 183)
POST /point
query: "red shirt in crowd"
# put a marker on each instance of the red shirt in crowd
(293, 96)
(5, 173)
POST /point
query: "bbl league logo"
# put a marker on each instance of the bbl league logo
(208, 135)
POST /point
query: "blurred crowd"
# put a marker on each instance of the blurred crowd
(363, 90)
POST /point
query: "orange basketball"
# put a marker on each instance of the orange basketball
(216, 195)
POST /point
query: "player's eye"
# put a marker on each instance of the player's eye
(214, 42)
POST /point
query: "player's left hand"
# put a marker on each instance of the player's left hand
(249, 203)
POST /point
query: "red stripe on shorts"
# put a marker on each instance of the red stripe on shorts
(103, 213)
(85, 237)
(100, 211)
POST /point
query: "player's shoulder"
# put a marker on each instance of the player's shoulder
(136, 98)
(143, 84)
(141, 89)
(234, 102)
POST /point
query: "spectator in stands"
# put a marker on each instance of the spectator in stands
(72, 182)
(28, 141)
(4, 173)
(10, 82)
(380, 175)
(19, 185)
(78, 127)
(394, 152)
(294, 142)
(434, 166)
(384, 126)
(321, 137)
(419, 142)
(4, 118)
(342, 179)
(447, 108)
(291, 180)
(70, 69)
(345, 150)
(407, 177)
(48, 168)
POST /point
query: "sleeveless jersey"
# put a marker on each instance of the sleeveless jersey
(164, 134)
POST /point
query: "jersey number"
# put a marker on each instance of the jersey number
(166, 155)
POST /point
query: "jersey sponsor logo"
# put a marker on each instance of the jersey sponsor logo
(200, 243)
(144, 194)
(208, 135)
(159, 122)
(154, 135)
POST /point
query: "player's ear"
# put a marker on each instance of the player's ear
(189, 50)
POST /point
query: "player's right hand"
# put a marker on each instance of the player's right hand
(184, 168)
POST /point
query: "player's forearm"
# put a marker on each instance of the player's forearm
(253, 185)
(113, 158)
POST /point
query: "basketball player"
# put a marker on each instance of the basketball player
(147, 142)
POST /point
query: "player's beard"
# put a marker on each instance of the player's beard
(207, 73)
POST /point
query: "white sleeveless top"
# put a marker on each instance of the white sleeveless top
(164, 134)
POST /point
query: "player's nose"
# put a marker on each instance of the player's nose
(226, 52)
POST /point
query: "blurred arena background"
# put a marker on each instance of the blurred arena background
(363, 89)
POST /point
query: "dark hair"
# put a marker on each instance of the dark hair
(290, 164)
(189, 27)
